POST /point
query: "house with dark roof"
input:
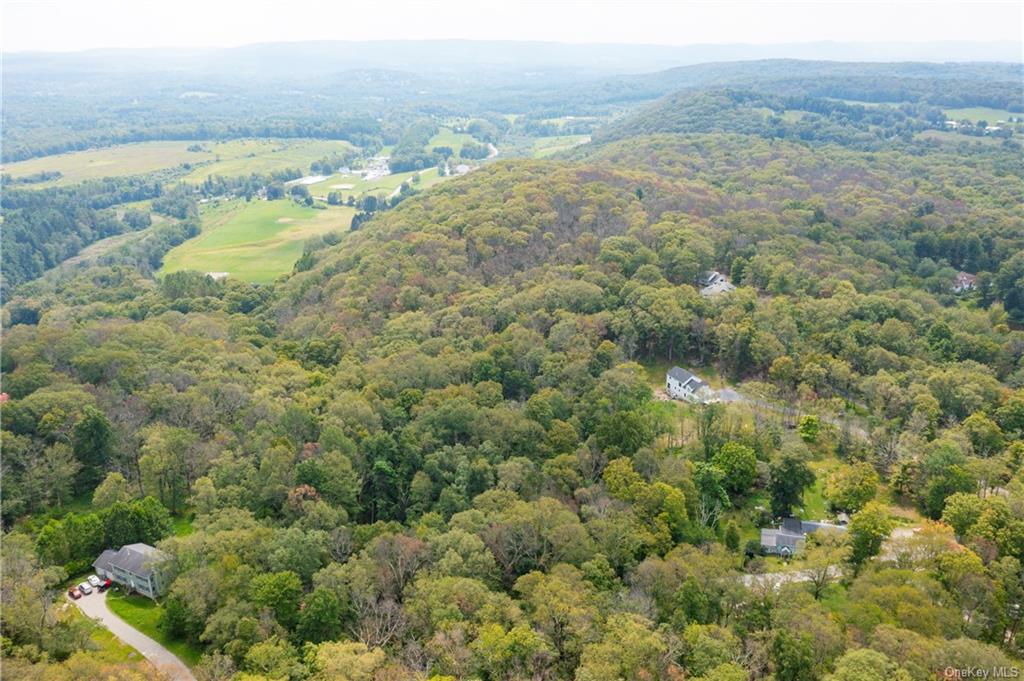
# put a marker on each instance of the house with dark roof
(789, 538)
(709, 278)
(139, 567)
(714, 283)
(680, 384)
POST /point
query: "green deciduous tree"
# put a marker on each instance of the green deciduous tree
(789, 476)
(851, 486)
(279, 592)
(868, 529)
(739, 464)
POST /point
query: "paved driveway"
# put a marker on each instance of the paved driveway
(95, 606)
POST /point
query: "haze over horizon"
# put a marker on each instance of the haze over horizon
(63, 26)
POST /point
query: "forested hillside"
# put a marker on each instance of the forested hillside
(440, 449)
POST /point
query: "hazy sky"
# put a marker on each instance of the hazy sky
(82, 24)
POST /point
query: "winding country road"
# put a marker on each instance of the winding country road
(95, 607)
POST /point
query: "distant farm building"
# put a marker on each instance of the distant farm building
(680, 384)
(964, 282)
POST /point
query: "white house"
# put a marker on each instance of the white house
(714, 283)
(680, 384)
(710, 277)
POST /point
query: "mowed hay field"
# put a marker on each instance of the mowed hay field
(124, 159)
(449, 138)
(230, 159)
(244, 157)
(546, 146)
(980, 113)
(255, 241)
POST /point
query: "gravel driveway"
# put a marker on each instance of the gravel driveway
(95, 606)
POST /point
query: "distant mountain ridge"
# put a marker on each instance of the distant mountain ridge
(440, 56)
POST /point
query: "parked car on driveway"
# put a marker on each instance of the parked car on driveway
(85, 588)
(74, 593)
(94, 580)
(106, 585)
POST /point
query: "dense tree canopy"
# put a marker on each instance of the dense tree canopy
(440, 447)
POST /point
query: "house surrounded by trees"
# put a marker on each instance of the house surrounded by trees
(139, 567)
(788, 539)
(680, 384)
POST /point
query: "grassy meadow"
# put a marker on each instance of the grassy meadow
(229, 158)
(255, 241)
(449, 138)
(116, 161)
(244, 157)
(547, 146)
(980, 113)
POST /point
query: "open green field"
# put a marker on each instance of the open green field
(980, 113)
(355, 185)
(256, 241)
(229, 158)
(144, 615)
(861, 102)
(546, 146)
(124, 159)
(950, 137)
(449, 138)
(566, 120)
(242, 157)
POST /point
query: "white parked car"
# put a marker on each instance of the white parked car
(85, 588)
(94, 580)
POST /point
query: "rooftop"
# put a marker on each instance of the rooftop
(684, 377)
(139, 559)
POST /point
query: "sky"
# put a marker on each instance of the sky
(70, 25)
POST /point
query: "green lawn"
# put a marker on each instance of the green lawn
(254, 241)
(547, 146)
(144, 614)
(980, 113)
(815, 506)
(657, 368)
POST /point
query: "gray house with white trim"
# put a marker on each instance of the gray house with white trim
(139, 567)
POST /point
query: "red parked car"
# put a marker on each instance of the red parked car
(74, 593)
(106, 584)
